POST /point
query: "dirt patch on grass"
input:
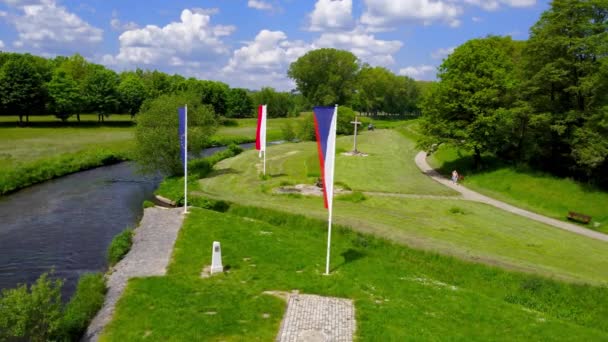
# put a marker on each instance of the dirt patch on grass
(307, 190)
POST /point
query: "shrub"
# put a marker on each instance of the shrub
(84, 304)
(354, 197)
(120, 246)
(306, 128)
(287, 131)
(34, 314)
(343, 124)
(457, 210)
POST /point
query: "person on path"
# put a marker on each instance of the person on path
(455, 177)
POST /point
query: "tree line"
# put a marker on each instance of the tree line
(329, 76)
(541, 102)
(68, 86)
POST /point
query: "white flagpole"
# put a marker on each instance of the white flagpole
(331, 195)
(186, 160)
(328, 242)
(264, 115)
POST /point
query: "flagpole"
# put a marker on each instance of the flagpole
(265, 116)
(330, 200)
(328, 242)
(186, 161)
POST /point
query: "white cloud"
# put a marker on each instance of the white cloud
(259, 5)
(48, 28)
(492, 5)
(121, 26)
(420, 72)
(188, 42)
(476, 19)
(331, 15)
(264, 61)
(442, 52)
(363, 45)
(1, 44)
(384, 14)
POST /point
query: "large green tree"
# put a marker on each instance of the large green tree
(477, 81)
(326, 76)
(22, 90)
(132, 91)
(65, 97)
(379, 90)
(566, 71)
(239, 103)
(101, 92)
(280, 104)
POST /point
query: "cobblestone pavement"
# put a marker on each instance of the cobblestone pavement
(312, 318)
(475, 196)
(149, 256)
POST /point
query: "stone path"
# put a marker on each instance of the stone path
(314, 318)
(149, 256)
(477, 197)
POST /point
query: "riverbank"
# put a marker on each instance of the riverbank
(149, 256)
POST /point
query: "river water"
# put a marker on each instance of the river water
(67, 224)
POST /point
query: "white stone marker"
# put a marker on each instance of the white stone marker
(216, 258)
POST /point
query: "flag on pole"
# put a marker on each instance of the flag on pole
(182, 129)
(260, 137)
(325, 130)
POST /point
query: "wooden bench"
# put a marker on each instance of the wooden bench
(579, 217)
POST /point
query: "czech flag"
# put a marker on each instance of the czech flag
(325, 129)
(260, 136)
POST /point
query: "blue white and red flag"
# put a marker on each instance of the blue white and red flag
(325, 129)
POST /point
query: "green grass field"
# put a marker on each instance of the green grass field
(471, 231)
(399, 293)
(246, 129)
(535, 191)
(47, 148)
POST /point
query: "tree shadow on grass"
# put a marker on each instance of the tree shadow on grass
(69, 124)
(222, 172)
(350, 255)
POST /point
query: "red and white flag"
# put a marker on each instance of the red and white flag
(260, 137)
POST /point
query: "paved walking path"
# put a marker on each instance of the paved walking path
(149, 256)
(316, 319)
(474, 196)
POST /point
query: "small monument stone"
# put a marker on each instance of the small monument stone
(216, 258)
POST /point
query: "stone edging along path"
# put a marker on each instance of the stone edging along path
(477, 197)
(149, 256)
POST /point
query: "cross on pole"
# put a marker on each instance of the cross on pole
(356, 123)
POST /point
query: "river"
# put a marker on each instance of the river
(67, 224)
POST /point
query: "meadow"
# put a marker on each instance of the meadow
(395, 207)
(399, 293)
(529, 189)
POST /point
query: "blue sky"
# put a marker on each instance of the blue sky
(250, 43)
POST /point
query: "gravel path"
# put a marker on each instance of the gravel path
(474, 196)
(314, 318)
(149, 256)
